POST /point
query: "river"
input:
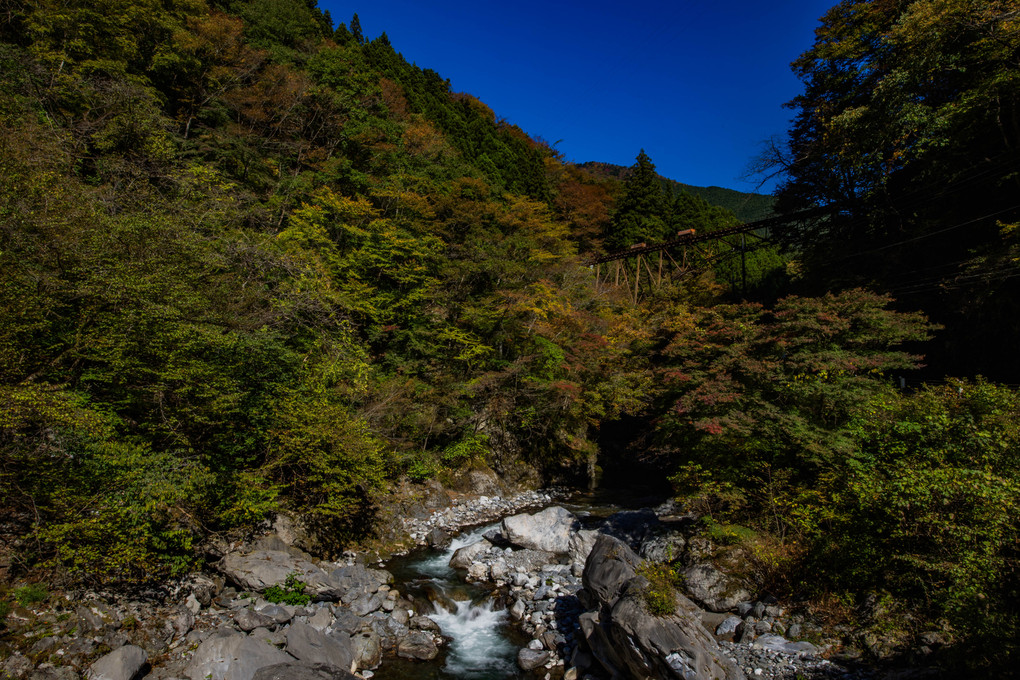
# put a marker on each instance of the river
(484, 642)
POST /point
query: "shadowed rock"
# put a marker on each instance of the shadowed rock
(630, 642)
(303, 671)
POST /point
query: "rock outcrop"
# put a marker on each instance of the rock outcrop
(123, 663)
(303, 671)
(712, 588)
(627, 641)
(261, 569)
(233, 656)
(548, 530)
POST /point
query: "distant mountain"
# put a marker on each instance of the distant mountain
(747, 207)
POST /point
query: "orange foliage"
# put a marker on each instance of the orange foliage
(421, 139)
(270, 104)
(393, 97)
(587, 205)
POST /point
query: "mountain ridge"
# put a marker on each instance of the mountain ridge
(746, 206)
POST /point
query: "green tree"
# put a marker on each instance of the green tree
(750, 391)
(641, 210)
(356, 30)
(907, 126)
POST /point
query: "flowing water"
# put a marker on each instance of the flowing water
(484, 645)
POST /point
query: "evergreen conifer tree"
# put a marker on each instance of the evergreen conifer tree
(356, 29)
(341, 36)
(641, 212)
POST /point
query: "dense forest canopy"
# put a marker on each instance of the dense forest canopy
(909, 126)
(252, 260)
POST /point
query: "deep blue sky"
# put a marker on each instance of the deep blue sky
(699, 85)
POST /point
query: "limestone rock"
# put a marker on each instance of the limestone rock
(321, 619)
(232, 656)
(629, 641)
(347, 622)
(358, 577)
(367, 647)
(248, 620)
(367, 603)
(120, 664)
(417, 644)
(610, 565)
(728, 628)
(203, 588)
(548, 530)
(437, 538)
(667, 548)
(305, 643)
(715, 590)
(261, 569)
(47, 671)
(277, 613)
(463, 557)
(303, 671)
(17, 666)
(530, 659)
(517, 610)
(581, 543)
(276, 638)
(478, 571)
(182, 620)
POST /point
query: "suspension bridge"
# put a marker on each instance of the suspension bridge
(645, 266)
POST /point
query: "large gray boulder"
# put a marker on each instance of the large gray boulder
(303, 671)
(232, 656)
(712, 588)
(580, 545)
(630, 642)
(359, 578)
(261, 569)
(674, 646)
(548, 530)
(122, 663)
(530, 659)
(347, 622)
(367, 648)
(248, 620)
(306, 644)
(610, 565)
(463, 557)
(417, 644)
(666, 548)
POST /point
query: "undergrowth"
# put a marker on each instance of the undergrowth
(292, 592)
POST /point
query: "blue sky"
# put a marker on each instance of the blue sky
(698, 85)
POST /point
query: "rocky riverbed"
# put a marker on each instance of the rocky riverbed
(562, 594)
(572, 584)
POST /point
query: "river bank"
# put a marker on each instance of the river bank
(220, 625)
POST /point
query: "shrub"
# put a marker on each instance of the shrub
(422, 467)
(727, 534)
(34, 593)
(292, 592)
(660, 593)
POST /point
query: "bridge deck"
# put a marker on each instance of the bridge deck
(689, 239)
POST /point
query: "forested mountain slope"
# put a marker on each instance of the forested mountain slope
(746, 206)
(252, 261)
